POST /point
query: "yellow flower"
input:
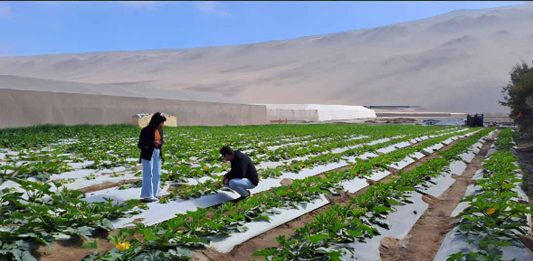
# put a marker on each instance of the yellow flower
(206, 168)
(123, 245)
(490, 211)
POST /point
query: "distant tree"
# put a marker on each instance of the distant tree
(518, 96)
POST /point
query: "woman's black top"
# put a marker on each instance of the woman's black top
(147, 143)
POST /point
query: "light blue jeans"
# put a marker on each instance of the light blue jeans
(240, 186)
(151, 175)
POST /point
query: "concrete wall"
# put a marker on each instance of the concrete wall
(26, 108)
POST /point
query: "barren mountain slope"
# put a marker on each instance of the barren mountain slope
(453, 62)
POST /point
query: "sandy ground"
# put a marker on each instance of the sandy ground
(107, 185)
(524, 152)
(72, 249)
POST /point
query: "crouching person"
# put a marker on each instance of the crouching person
(243, 175)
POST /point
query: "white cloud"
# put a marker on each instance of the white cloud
(212, 8)
(5, 10)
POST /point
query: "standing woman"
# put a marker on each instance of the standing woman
(150, 142)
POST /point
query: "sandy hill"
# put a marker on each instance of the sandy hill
(454, 62)
(35, 84)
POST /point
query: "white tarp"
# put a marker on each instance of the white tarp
(255, 228)
(442, 183)
(454, 242)
(317, 112)
(354, 185)
(457, 167)
(401, 222)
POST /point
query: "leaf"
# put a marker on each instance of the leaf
(26, 256)
(90, 244)
(180, 252)
(263, 218)
(106, 224)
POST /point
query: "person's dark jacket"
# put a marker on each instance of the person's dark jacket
(242, 167)
(147, 142)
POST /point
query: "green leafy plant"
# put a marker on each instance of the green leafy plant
(495, 217)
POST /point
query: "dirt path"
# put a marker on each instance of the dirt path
(268, 239)
(424, 240)
(524, 152)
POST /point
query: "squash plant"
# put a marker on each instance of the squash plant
(496, 217)
(39, 216)
(194, 229)
(212, 186)
(369, 209)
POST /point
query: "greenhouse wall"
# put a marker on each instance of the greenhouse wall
(318, 112)
(27, 108)
(291, 115)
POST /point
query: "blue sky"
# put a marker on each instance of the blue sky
(29, 28)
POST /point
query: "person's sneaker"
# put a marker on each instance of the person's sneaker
(249, 192)
(148, 200)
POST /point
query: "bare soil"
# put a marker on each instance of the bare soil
(524, 152)
(72, 249)
(425, 238)
(107, 185)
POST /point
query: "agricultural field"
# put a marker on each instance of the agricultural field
(326, 192)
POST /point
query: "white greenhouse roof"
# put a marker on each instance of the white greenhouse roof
(326, 112)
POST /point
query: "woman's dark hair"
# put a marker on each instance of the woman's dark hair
(226, 150)
(157, 119)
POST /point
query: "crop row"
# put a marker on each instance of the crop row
(40, 214)
(212, 186)
(496, 217)
(191, 152)
(194, 229)
(329, 234)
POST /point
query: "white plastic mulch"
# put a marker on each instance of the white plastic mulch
(454, 242)
(405, 217)
(457, 167)
(379, 175)
(399, 228)
(255, 228)
(433, 148)
(401, 222)
(354, 185)
(443, 182)
(158, 212)
(402, 163)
